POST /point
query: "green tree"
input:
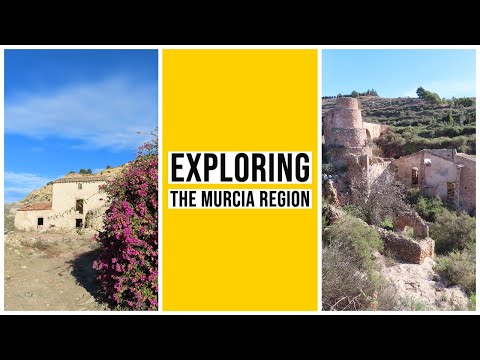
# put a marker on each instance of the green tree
(82, 171)
(451, 120)
(89, 171)
(354, 94)
(421, 92)
(108, 167)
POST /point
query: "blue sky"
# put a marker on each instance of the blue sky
(398, 73)
(72, 109)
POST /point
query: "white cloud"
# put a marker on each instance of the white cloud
(19, 185)
(106, 114)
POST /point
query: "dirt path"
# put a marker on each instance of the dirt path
(50, 272)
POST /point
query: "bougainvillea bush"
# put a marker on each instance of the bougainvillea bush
(128, 264)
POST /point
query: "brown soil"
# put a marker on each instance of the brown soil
(51, 271)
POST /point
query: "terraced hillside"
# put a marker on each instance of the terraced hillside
(417, 124)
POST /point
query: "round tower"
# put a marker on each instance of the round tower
(344, 127)
(344, 132)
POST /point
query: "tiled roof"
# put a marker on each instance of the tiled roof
(36, 206)
(81, 178)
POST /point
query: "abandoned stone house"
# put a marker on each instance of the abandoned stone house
(77, 202)
(442, 172)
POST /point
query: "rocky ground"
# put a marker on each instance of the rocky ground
(51, 271)
(420, 288)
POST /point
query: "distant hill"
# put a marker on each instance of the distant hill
(417, 124)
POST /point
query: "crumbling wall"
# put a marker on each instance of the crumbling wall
(437, 173)
(338, 156)
(405, 165)
(405, 248)
(375, 130)
(377, 167)
(94, 218)
(412, 219)
(467, 185)
(340, 137)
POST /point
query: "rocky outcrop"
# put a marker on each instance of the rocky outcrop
(329, 192)
(331, 213)
(419, 287)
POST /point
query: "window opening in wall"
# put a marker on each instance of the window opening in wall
(450, 191)
(78, 223)
(79, 206)
(40, 221)
(414, 176)
(79, 186)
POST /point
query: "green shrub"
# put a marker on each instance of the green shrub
(458, 268)
(353, 211)
(413, 195)
(429, 208)
(452, 232)
(387, 224)
(346, 287)
(472, 302)
(357, 236)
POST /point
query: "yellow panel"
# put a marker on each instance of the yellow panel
(239, 100)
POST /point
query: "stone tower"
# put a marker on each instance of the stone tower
(344, 133)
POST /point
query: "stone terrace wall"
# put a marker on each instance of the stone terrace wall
(405, 248)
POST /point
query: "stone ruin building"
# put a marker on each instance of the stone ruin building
(349, 143)
(349, 140)
(77, 202)
(442, 172)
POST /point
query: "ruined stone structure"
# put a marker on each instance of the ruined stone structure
(413, 220)
(442, 172)
(73, 198)
(405, 248)
(347, 136)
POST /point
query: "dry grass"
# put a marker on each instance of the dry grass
(48, 248)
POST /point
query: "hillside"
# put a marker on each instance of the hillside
(417, 124)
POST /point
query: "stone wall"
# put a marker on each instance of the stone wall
(27, 220)
(338, 156)
(340, 137)
(436, 168)
(437, 174)
(412, 219)
(467, 185)
(375, 130)
(347, 102)
(405, 165)
(347, 118)
(405, 248)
